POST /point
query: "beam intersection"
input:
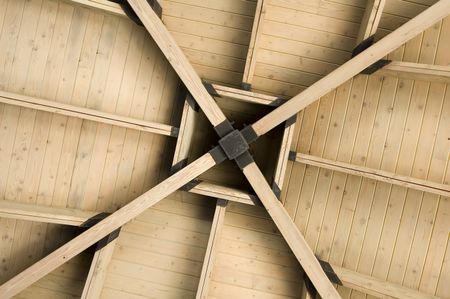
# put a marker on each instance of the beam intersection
(294, 238)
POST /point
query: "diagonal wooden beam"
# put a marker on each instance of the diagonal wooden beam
(178, 60)
(354, 66)
(86, 113)
(106, 226)
(290, 232)
(375, 174)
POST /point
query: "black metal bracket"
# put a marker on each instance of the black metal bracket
(210, 89)
(329, 272)
(192, 102)
(332, 276)
(375, 66)
(132, 15)
(190, 185)
(276, 190)
(279, 101)
(178, 166)
(290, 121)
(105, 240)
(246, 86)
(234, 144)
(292, 156)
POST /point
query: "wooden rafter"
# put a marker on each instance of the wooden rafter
(85, 113)
(375, 174)
(370, 20)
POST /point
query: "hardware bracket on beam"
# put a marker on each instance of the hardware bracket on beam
(108, 238)
(375, 66)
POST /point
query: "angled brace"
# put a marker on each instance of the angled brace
(107, 239)
(363, 46)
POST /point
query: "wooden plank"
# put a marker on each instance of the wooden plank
(250, 62)
(416, 71)
(371, 19)
(354, 66)
(41, 213)
(290, 232)
(228, 193)
(112, 8)
(377, 287)
(116, 220)
(211, 250)
(376, 174)
(97, 273)
(243, 95)
(85, 113)
(178, 60)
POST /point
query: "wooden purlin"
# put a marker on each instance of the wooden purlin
(376, 174)
(86, 113)
(211, 250)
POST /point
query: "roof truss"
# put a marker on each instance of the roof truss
(251, 171)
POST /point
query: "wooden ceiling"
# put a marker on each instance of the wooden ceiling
(94, 113)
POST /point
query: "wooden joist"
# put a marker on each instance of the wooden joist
(106, 226)
(354, 66)
(377, 287)
(85, 113)
(375, 174)
(40, 213)
(416, 71)
(97, 272)
(370, 20)
(211, 250)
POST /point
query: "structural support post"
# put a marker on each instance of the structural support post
(211, 250)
